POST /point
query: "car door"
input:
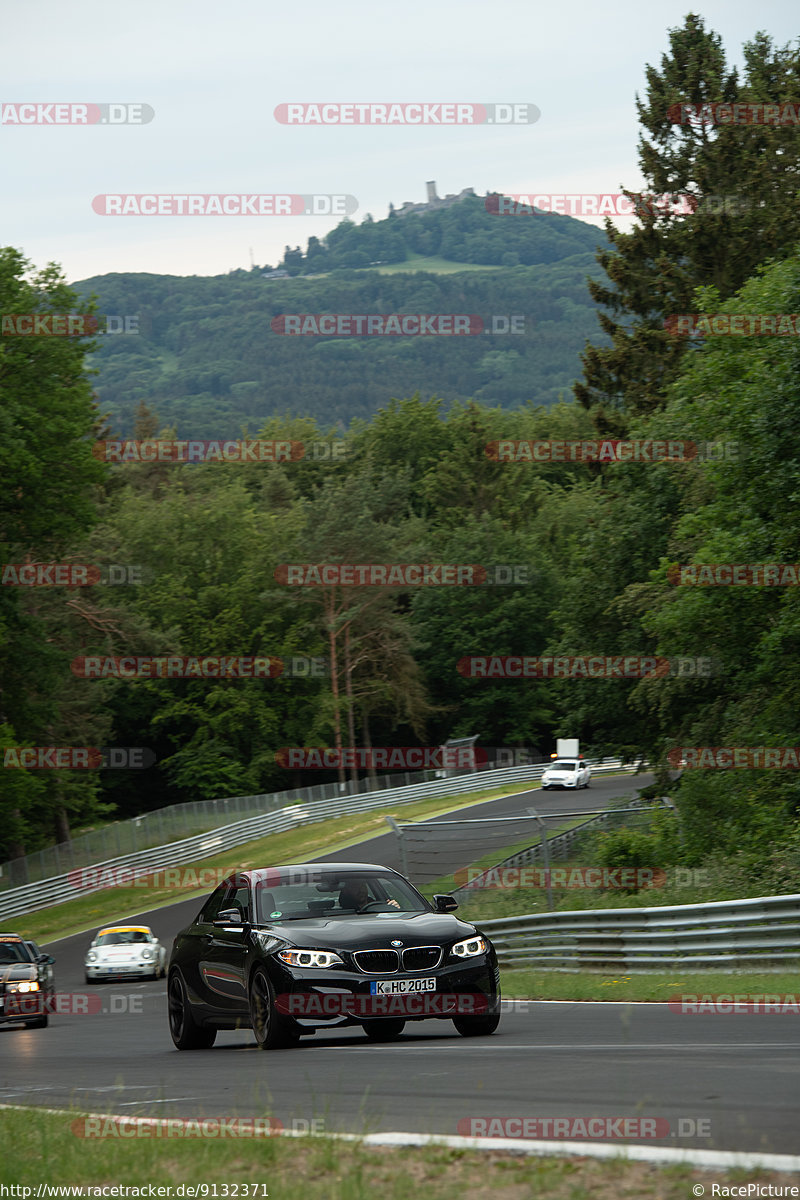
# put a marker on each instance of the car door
(224, 951)
(191, 950)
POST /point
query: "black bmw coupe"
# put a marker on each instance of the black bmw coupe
(289, 950)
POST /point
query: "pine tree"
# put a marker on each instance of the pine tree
(742, 184)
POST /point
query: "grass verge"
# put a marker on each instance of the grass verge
(434, 264)
(525, 983)
(41, 1147)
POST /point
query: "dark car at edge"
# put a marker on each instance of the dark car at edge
(289, 950)
(26, 982)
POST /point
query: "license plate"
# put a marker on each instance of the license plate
(398, 987)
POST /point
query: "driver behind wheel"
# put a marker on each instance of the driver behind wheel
(355, 895)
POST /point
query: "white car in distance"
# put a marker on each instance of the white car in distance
(125, 950)
(566, 773)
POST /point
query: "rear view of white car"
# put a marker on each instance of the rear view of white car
(125, 950)
(567, 773)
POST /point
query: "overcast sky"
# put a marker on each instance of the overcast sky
(213, 74)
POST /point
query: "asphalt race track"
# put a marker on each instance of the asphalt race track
(736, 1073)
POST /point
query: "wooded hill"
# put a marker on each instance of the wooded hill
(209, 361)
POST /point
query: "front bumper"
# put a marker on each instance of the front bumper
(321, 998)
(22, 1006)
(117, 970)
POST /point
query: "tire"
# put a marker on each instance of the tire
(476, 1026)
(87, 978)
(271, 1030)
(39, 1023)
(185, 1032)
(384, 1031)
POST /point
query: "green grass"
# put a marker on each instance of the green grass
(657, 986)
(42, 1147)
(438, 266)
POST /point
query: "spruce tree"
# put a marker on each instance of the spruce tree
(744, 208)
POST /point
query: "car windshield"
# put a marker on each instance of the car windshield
(13, 950)
(564, 766)
(343, 896)
(122, 937)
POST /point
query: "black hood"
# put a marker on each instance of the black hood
(371, 930)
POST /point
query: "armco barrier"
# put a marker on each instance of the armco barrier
(67, 886)
(560, 844)
(726, 933)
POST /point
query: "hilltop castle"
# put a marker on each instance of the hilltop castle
(433, 201)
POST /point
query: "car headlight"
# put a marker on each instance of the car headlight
(310, 958)
(470, 948)
(147, 953)
(91, 956)
(23, 986)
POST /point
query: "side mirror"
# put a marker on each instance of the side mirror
(445, 903)
(228, 916)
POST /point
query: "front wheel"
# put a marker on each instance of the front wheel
(476, 1026)
(272, 1031)
(383, 1031)
(186, 1033)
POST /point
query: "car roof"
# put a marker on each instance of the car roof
(324, 868)
(125, 929)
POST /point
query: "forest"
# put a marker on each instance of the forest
(591, 546)
(210, 354)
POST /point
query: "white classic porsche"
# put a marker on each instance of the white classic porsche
(125, 950)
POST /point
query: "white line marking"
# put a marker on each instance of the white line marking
(709, 1159)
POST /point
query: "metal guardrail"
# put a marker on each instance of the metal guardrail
(731, 933)
(163, 826)
(82, 881)
(560, 845)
